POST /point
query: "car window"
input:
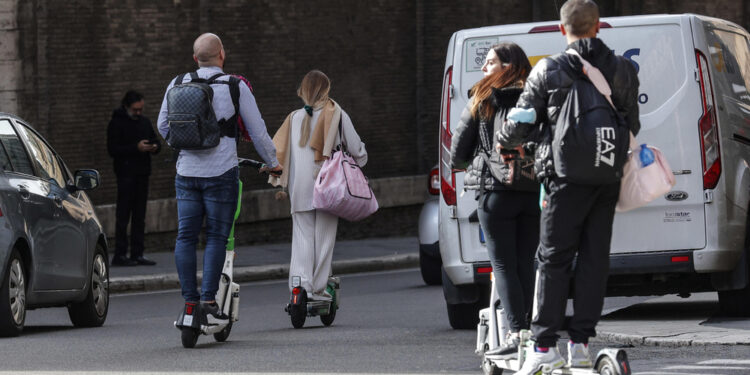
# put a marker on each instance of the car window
(19, 160)
(43, 157)
(730, 57)
(4, 159)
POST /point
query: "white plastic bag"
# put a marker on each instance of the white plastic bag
(641, 185)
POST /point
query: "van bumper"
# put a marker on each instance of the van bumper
(678, 261)
(662, 262)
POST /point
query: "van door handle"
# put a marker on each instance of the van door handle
(24, 191)
(683, 171)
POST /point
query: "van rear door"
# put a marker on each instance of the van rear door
(671, 108)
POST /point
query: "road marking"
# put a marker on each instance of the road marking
(704, 367)
(725, 362)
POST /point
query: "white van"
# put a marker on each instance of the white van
(694, 105)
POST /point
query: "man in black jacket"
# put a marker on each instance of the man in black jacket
(130, 142)
(577, 219)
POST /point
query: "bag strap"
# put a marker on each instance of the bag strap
(230, 126)
(595, 76)
(213, 78)
(342, 143)
(178, 80)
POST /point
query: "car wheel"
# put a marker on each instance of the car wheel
(92, 311)
(13, 297)
(431, 268)
(735, 302)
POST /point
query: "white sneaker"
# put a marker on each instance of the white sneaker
(322, 296)
(578, 355)
(537, 363)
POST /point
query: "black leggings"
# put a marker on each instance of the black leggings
(510, 220)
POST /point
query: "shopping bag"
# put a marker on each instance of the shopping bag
(641, 185)
(342, 189)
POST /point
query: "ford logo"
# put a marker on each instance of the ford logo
(676, 196)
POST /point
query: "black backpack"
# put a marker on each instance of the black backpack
(191, 118)
(591, 139)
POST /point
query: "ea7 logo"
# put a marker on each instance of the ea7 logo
(605, 146)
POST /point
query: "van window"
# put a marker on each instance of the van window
(657, 52)
(730, 58)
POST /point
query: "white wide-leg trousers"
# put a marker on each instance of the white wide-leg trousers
(313, 238)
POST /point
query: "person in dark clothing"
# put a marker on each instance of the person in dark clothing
(508, 198)
(578, 218)
(130, 142)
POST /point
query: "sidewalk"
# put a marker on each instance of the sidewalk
(264, 262)
(674, 321)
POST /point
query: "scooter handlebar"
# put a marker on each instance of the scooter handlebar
(243, 162)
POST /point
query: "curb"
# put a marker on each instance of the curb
(663, 341)
(147, 283)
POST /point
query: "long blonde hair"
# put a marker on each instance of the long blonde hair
(313, 90)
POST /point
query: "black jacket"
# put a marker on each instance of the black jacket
(548, 86)
(474, 136)
(123, 135)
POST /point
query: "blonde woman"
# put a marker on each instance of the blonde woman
(305, 140)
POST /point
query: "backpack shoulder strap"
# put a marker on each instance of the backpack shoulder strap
(178, 80)
(595, 76)
(194, 76)
(213, 78)
(234, 91)
(230, 126)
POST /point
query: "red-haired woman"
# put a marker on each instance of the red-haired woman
(507, 193)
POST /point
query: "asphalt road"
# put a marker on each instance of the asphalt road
(389, 322)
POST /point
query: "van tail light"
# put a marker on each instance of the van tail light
(556, 28)
(447, 178)
(433, 184)
(708, 127)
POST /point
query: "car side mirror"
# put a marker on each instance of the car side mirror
(86, 179)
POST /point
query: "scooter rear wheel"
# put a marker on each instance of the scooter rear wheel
(298, 311)
(223, 335)
(189, 337)
(607, 366)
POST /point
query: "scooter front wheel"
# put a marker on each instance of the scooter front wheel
(327, 319)
(189, 337)
(223, 335)
(489, 368)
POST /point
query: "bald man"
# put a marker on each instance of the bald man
(577, 221)
(206, 184)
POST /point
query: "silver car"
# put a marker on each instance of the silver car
(430, 263)
(53, 251)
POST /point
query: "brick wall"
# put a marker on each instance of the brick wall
(385, 58)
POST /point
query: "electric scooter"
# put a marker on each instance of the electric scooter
(491, 333)
(301, 305)
(192, 321)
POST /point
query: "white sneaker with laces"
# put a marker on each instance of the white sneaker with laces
(578, 355)
(538, 363)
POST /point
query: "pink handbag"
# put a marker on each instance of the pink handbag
(641, 185)
(342, 189)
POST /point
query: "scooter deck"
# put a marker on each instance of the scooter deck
(514, 365)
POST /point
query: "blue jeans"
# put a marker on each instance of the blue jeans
(214, 198)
